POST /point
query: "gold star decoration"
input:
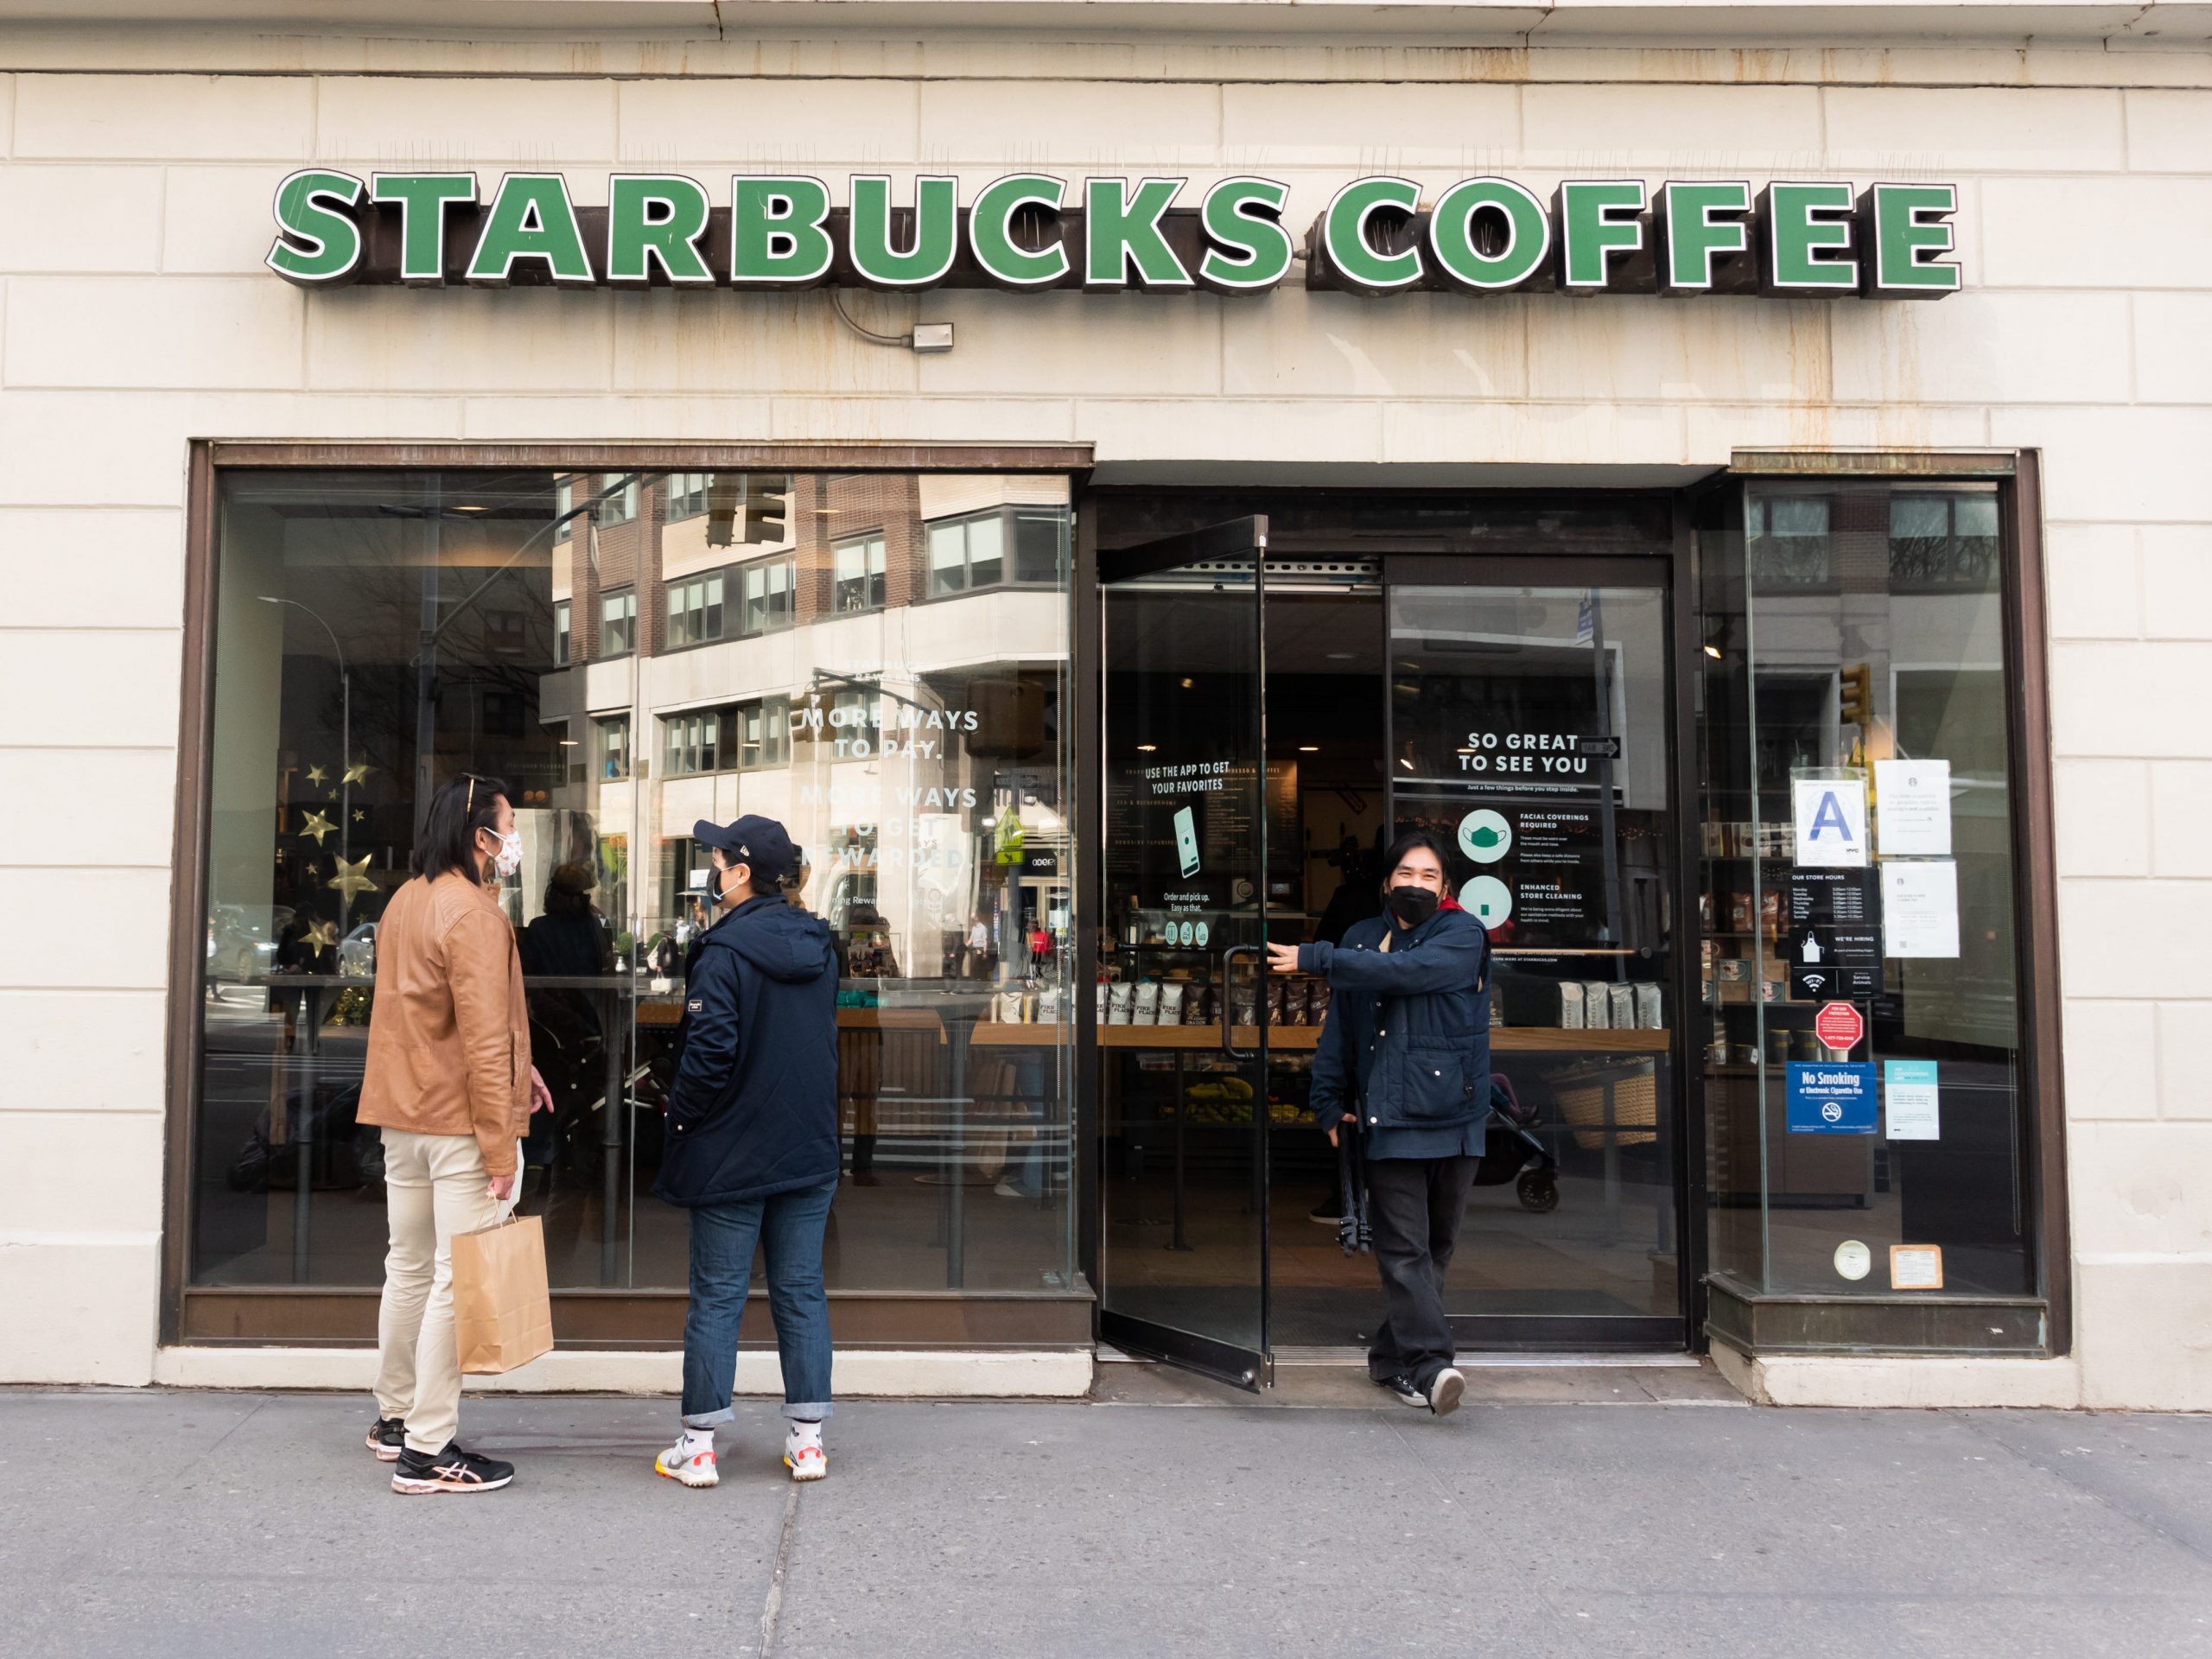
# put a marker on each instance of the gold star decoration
(352, 879)
(318, 826)
(331, 795)
(360, 817)
(359, 772)
(317, 776)
(323, 936)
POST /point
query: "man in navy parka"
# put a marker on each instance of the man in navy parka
(751, 1148)
(1404, 1063)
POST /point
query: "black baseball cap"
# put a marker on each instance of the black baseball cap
(752, 839)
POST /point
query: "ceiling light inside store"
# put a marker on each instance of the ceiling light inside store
(1309, 748)
(1406, 764)
(1148, 748)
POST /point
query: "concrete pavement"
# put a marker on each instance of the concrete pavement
(1608, 1511)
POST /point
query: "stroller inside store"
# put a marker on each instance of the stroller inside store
(1285, 690)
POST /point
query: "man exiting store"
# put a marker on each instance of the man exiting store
(1404, 1061)
(752, 1141)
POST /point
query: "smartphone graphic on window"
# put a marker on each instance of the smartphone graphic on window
(1187, 841)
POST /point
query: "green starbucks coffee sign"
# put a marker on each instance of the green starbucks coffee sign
(1036, 231)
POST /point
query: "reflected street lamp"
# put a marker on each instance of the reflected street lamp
(345, 748)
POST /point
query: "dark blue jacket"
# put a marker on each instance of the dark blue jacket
(1406, 1043)
(754, 1110)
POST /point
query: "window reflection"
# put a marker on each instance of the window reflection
(783, 665)
(1856, 639)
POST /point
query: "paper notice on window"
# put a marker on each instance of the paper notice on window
(1920, 907)
(1914, 817)
(1909, 1097)
(1831, 822)
(1916, 1267)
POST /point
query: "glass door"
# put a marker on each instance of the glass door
(1182, 1017)
(1533, 724)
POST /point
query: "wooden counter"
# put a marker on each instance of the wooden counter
(1303, 1040)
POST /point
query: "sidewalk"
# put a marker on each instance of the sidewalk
(1569, 1512)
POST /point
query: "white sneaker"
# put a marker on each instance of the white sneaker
(1444, 1391)
(806, 1458)
(698, 1469)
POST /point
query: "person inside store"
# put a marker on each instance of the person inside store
(1404, 1062)
(449, 1082)
(753, 1144)
(570, 941)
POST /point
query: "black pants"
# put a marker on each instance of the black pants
(1413, 1205)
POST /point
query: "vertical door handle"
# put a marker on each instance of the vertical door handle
(1259, 1002)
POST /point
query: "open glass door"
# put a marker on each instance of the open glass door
(1182, 1037)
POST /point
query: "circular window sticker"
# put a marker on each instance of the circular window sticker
(1484, 835)
(1853, 1259)
(1490, 898)
(1203, 933)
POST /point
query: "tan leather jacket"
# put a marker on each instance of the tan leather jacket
(449, 1032)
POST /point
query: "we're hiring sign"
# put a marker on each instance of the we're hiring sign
(1035, 230)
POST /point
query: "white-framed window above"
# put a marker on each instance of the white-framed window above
(617, 623)
(622, 505)
(610, 743)
(1787, 538)
(967, 553)
(691, 743)
(762, 733)
(1944, 540)
(857, 568)
(695, 610)
(770, 590)
(561, 633)
(1006, 544)
(687, 494)
(564, 502)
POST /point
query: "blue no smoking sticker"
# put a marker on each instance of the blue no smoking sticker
(1830, 1099)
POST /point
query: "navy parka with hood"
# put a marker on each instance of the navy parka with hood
(753, 1111)
(1406, 1044)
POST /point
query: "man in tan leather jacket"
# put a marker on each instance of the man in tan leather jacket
(450, 1084)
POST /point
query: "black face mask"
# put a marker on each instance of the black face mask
(1412, 905)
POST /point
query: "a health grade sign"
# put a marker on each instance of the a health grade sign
(1033, 231)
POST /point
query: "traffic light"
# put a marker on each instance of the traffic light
(767, 507)
(1858, 695)
(723, 491)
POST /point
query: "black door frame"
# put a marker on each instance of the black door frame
(1676, 567)
(1236, 538)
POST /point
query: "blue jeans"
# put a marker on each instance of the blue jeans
(789, 1227)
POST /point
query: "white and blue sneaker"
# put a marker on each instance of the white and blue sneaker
(692, 1468)
(802, 1453)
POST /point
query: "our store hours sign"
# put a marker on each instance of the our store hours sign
(1038, 230)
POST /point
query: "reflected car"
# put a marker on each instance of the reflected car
(240, 946)
(357, 952)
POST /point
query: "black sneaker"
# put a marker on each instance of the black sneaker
(450, 1471)
(1327, 1212)
(1404, 1387)
(388, 1439)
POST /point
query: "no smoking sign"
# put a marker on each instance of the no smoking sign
(1840, 1026)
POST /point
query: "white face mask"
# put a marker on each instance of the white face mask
(508, 859)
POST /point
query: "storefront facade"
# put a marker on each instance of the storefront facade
(1092, 491)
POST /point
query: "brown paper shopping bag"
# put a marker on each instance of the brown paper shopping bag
(502, 1312)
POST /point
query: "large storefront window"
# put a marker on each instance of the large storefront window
(1862, 1028)
(376, 632)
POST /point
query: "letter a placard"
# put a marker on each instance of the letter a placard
(1831, 814)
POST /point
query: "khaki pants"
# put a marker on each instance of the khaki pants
(434, 1188)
